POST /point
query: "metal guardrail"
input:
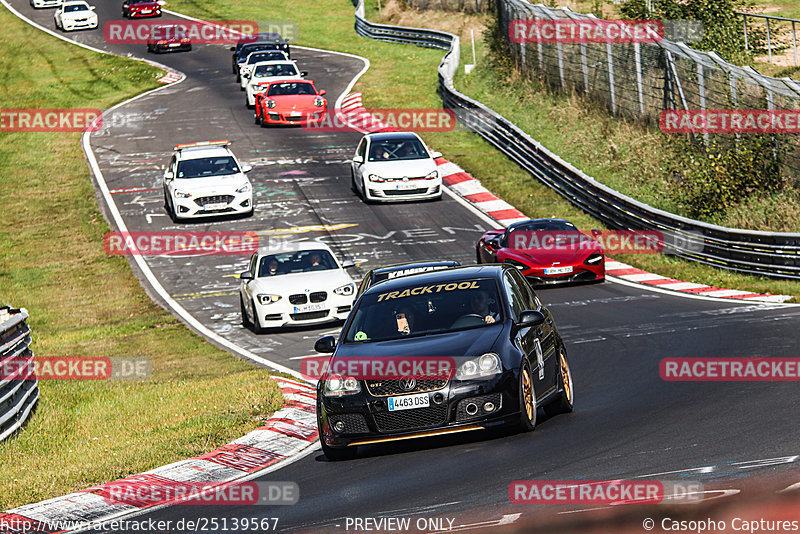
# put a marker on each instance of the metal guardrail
(19, 387)
(770, 254)
(769, 33)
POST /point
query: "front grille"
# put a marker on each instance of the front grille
(397, 192)
(299, 298)
(216, 199)
(461, 410)
(319, 296)
(307, 316)
(354, 423)
(385, 388)
(411, 419)
(295, 119)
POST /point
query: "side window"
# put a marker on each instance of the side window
(362, 148)
(172, 165)
(528, 294)
(515, 299)
(253, 264)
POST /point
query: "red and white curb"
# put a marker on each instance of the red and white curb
(171, 75)
(289, 432)
(470, 189)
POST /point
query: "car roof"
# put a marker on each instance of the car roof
(380, 136)
(276, 62)
(456, 274)
(529, 221)
(203, 152)
(265, 36)
(256, 52)
(414, 265)
(290, 246)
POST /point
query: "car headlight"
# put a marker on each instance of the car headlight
(338, 385)
(431, 175)
(594, 259)
(375, 178)
(319, 102)
(264, 298)
(484, 365)
(244, 189)
(181, 194)
(270, 103)
(346, 290)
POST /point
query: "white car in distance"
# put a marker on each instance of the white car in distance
(38, 4)
(392, 166)
(75, 15)
(258, 56)
(298, 284)
(205, 179)
(267, 71)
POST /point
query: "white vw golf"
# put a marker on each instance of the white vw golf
(267, 71)
(395, 166)
(75, 15)
(204, 179)
(302, 283)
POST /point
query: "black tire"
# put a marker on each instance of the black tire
(245, 320)
(353, 187)
(170, 208)
(247, 103)
(338, 454)
(364, 196)
(527, 398)
(478, 255)
(257, 328)
(257, 117)
(564, 402)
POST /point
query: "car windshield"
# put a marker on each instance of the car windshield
(396, 149)
(422, 309)
(75, 7)
(265, 56)
(168, 31)
(281, 89)
(246, 50)
(203, 167)
(296, 262)
(278, 69)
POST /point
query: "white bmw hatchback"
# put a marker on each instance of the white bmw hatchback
(267, 71)
(300, 284)
(394, 166)
(205, 179)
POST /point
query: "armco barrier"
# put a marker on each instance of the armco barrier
(770, 254)
(18, 393)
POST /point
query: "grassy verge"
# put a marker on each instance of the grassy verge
(405, 76)
(83, 302)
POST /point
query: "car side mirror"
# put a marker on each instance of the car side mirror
(168, 175)
(246, 275)
(233, 49)
(247, 168)
(325, 345)
(358, 159)
(530, 318)
(245, 75)
(303, 73)
(323, 92)
(348, 263)
(435, 155)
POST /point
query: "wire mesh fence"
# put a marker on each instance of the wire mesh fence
(639, 80)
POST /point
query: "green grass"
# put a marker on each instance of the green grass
(83, 302)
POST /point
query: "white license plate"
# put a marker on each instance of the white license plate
(558, 270)
(173, 45)
(309, 308)
(215, 206)
(409, 402)
(405, 185)
(296, 114)
(146, 11)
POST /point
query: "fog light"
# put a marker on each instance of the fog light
(472, 408)
(338, 426)
(488, 407)
(438, 398)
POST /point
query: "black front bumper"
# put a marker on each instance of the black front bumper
(459, 406)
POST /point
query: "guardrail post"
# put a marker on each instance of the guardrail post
(585, 68)
(744, 17)
(639, 87)
(701, 84)
(769, 43)
(611, 79)
(794, 42)
(560, 64)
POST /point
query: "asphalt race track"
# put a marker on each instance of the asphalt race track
(627, 423)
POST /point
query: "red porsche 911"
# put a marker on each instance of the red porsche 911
(141, 9)
(291, 102)
(546, 251)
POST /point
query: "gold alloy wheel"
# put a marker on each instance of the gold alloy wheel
(527, 394)
(566, 377)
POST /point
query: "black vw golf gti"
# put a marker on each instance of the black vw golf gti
(461, 349)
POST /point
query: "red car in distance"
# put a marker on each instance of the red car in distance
(295, 102)
(546, 251)
(168, 38)
(135, 9)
